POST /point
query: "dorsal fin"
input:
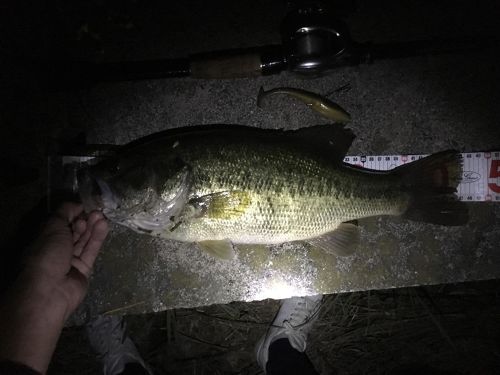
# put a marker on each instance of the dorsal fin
(331, 140)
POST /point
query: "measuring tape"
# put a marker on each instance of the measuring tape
(480, 179)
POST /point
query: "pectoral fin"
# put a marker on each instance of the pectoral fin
(222, 205)
(222, 249)
(343, 241)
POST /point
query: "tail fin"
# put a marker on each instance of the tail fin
(432, 183)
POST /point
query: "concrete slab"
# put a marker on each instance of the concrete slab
(419, 105)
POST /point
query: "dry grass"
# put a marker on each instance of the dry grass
(454, 329)
(450, 329)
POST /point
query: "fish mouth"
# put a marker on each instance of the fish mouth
(95, 193)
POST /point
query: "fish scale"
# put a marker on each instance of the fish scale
(292, 196)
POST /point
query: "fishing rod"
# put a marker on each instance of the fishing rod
(314, 42)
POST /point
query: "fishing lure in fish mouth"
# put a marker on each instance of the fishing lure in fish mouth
(317, 103)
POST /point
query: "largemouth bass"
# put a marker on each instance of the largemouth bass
(224, 185)
(317, 103)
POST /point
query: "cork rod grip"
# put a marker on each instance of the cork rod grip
(235, 66)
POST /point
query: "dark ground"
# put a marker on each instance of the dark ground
(447, 329)
(453, 328)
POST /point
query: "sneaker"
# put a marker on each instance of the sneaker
(293, 321)
(115, 349)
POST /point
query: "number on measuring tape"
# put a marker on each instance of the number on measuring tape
(494, 173)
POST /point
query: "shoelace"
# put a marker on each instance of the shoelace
(296, 335)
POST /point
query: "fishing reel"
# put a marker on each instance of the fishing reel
(314, 40)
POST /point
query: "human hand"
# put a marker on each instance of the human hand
(63, 256)
(51, 286)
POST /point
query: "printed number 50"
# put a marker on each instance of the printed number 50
(494, 173)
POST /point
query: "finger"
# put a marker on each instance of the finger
(84, 238)
(53, 249)
(69, 211)
(91, 250)
(76, 285)
(84, 268)
(94, 217)
(82, 242)
(79, 227)
(55, 243)
(64, 215)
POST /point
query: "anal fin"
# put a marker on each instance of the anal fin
(343, 241)
(222, 249)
